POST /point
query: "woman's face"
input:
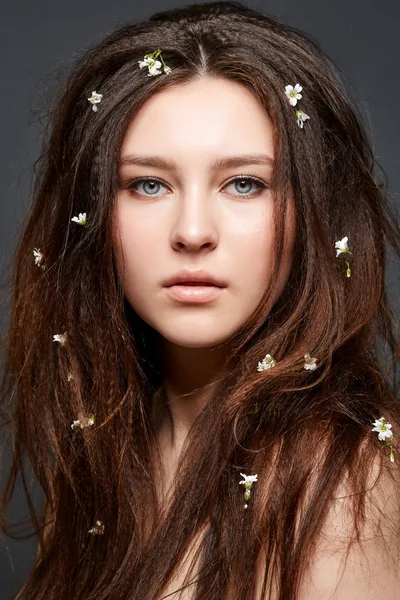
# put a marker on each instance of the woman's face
(194, 215)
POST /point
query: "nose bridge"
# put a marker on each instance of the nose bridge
(195, 214)
(194, 201)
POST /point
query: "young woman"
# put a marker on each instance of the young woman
(194, 364)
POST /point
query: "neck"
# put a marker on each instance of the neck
(189, 376)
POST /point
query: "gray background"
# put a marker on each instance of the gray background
(38, 38)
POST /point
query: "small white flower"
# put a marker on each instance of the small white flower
(310, 363)
(341, 246)
(82, 422)
(248, 479)
(61, 338)
(81, 219)
(148, 62)
(384, 431)
(293, 93)
(38, 255)
(301, 117)
(97, 529)
(69, 376)
(267, 363)
(95, 99)
(38, 258)
(383, 427)
(154, 66)
(155, 69)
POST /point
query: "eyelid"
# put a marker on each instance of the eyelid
(249, 176)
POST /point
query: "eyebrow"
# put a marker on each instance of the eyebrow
(225, 162)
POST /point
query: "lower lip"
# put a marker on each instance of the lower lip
(194, 293)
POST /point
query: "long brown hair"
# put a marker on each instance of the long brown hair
(290, 426)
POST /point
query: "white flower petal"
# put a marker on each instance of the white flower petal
(248, 479)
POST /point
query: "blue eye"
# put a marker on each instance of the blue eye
(152, 184)
(244, 182)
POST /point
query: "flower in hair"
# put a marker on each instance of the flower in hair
(310, 363)
(301, 117)
(82, 422)
(97, 529)
(153, 65)
(95, 99)
(384, 431)
(69, 376)
(61, 338)
(248, 481)
(267, 363)
(81, 220)
(293, 93)
(150, 61)
(342, 247)
(38, 258)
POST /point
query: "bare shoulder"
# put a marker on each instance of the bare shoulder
(369, 566)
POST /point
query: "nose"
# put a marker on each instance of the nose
(195, 226)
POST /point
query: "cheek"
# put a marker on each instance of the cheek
(255, 254)
(141, 229)
(251, 261)
(256, 244)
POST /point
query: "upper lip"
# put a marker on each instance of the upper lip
(186, 276)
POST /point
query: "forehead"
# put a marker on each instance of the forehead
(200, 121)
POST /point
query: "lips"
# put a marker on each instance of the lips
(194, 294)
(200, 278)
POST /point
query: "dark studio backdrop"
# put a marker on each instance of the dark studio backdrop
(38, 39)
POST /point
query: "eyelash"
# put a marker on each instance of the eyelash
(249, 178)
